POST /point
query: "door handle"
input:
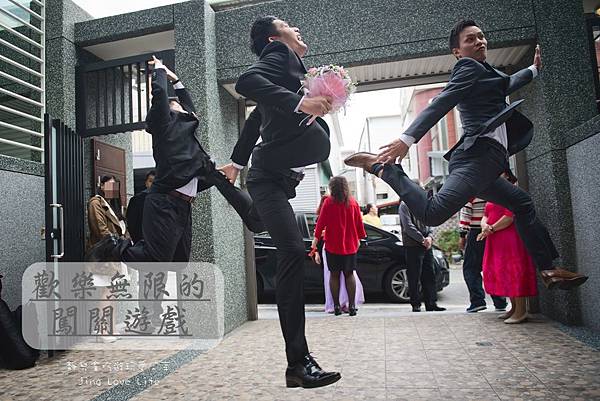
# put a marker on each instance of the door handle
(97, 154)
(60, 209)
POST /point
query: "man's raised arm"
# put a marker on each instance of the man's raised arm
(158, 115)
(465, 74)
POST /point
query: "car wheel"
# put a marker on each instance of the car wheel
(396, 285)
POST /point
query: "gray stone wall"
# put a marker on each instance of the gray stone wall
(363, 31)
(559, 100)
(21, 242)
(583, 168)
(217, 233)
(213, 47)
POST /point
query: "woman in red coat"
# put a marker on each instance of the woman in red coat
(341, 220)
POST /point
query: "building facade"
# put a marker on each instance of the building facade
(209, 47)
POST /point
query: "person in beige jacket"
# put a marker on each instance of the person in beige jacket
(106, 219)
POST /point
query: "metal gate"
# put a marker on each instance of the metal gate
(65, 206)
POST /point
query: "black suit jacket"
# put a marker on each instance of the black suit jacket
(479, 92)
(177, 151)
(273, 82)
(135, 215)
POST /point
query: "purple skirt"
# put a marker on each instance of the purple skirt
(358, 299)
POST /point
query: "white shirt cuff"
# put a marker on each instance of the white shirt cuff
(408, 140)
(238, 166)
(178, 85)
(533, 69)
(297, 109)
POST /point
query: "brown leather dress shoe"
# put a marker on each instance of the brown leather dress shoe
(364, 160)
(561, 278)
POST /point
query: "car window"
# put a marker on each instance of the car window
(390, 220)
(372, 234)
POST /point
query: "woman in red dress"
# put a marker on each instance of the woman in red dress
(508, 270)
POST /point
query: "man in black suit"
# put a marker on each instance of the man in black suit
(135, 209)
(288, 145)
(183, 169)
(493, 130)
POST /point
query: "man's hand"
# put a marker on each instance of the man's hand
(317, 258)
(316, 106)
(462, 242)
(159, 64)
(230, 171)
(428, 242)
(392, 151)
(537, 58)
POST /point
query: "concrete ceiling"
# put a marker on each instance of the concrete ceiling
(418, 71)
(369, 77)
(131, 47)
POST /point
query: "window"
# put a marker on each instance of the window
(22, 79)
(390, 220)
(439, 135)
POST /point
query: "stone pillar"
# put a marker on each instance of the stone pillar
(217, 233)
(561, 98)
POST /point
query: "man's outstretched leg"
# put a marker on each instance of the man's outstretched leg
(239, 199)
(473, 173)
(469, 172)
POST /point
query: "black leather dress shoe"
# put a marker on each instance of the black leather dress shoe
(416, 308)
(104, 250)
(434, 308)
(308, 374)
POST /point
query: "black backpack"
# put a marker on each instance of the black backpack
(15, 353)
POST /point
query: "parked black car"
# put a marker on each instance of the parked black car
(381, 263)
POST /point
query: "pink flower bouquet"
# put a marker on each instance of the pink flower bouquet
(329, 80)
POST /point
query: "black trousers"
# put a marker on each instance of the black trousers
(472, 266)
(167, 222)
(270, 193)
(419, 263)
(167, 230)
(476, 173)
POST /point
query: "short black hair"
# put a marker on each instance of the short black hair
(454, 40)
(149, 173)
(260, 32)
(105, 178)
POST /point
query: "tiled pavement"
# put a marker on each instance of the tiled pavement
(382, 356)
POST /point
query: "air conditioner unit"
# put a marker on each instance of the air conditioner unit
(437, 164)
